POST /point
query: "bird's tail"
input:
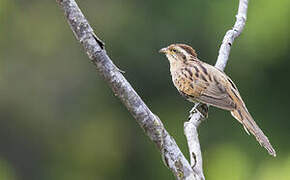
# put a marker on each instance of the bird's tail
(243, 116)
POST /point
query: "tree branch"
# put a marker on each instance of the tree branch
(190, 131)
(149, 122)
(199, 114)
(231, 34)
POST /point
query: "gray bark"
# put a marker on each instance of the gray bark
(150, 123)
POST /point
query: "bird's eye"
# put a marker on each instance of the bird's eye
(174, 50)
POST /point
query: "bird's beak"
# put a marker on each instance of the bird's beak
(163, 50)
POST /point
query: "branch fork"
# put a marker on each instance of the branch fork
(150, 123)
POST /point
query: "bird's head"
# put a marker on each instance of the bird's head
(178, 52)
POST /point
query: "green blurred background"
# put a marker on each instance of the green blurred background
(60, 121)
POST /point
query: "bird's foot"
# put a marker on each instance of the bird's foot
(201, 108)
(194, 109)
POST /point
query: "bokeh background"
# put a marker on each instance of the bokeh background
(60, 121)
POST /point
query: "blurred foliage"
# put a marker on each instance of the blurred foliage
(6, 171)
(59, 120)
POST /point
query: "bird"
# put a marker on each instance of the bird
(200, 82)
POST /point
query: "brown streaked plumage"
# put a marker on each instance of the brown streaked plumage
(200, 82)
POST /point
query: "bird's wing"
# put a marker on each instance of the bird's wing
(206, 84)
(210, 88)
(216, 95)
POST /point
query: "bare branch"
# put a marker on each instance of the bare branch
(230, 36)
(149, 122)
(190, 127)
(190, 131)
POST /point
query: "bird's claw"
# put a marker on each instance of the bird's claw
(201, 108)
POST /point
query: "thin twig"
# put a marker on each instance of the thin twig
(231, 34)
(149, 122)
(191, 126)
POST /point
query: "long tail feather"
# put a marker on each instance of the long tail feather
(243, 116)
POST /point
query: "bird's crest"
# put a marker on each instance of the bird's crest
(188, 49)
